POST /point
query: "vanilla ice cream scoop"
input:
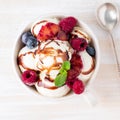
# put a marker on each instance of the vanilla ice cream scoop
(51, 54)
(80, 32)
(47, 58)
(88, 66)
(26, 59)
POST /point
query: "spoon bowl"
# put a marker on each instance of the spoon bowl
(108, 16)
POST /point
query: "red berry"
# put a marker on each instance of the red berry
(62, 36)
(48, 31)
(72, 74)
(78, 44)
(67, 24)
(29, 77)
(78, 86)
(76, 61)
(70, 83)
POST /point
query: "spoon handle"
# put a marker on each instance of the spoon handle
(115, 52)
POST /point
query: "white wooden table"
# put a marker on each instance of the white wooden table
(18, 103)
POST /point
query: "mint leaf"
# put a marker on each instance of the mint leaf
(61, 79)
(62, 70)
(62, 76)
(66, 65)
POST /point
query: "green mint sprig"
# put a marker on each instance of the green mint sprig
(62, 76)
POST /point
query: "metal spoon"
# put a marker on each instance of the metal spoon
(108, 17)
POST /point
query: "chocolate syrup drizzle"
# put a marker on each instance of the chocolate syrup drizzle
(47, 52)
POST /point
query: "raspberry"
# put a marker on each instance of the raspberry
(76, 61)
(78, 86)
(72, 73)
(62, 36)
(78, 44)
(70, 83)
(67, 24)
(29, 77)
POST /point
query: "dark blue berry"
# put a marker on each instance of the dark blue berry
(31, 42)
(25, 36)
(90, 50)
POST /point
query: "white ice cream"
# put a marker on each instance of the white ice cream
(47, 54)
(59, 92)
(81, 34)
(88, 66)
(28, 60)
(47, 58)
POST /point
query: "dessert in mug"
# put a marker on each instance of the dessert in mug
(57, 56)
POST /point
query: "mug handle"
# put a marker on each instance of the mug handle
(91, 97)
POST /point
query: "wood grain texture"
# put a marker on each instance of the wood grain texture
(17, 102)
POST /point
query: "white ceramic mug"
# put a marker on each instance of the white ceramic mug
(18, 45)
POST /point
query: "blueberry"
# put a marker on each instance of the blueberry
(90, 50)
(25, 36)
(31, 42)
